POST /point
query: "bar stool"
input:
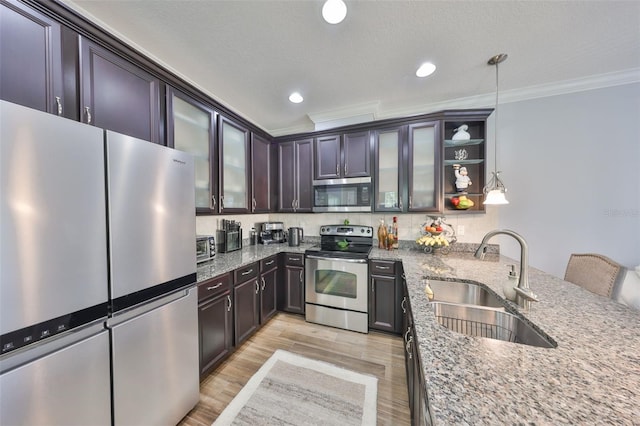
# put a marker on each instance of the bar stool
(594, 272)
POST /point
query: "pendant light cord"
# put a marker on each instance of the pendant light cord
(495, 130)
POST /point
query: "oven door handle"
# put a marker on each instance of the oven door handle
(337, 259)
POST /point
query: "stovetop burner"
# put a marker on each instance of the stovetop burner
(344, 241)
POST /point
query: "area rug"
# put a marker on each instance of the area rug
(290, 389)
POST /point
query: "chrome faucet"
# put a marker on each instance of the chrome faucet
(524, 295)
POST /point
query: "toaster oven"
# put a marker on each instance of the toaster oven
(205, 248)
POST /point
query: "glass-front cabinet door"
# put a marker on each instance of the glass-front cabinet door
(424, 167)
(388, 169)
(233, 156)
(191, 128)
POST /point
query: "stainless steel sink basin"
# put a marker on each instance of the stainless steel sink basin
(464, 293)
(490, 323)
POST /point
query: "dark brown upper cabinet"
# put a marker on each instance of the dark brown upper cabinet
(469, 154)
(117, 95)
(233, 167)
(389, 170)
(423, 162)
(342, 156)
(191, 127)
(31, 58)
(263, 172)
(295, 160)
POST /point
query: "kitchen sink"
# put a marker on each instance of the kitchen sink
(490, 323)
(464, 293)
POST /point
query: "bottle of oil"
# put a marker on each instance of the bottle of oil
(395, 233)
(382, 235)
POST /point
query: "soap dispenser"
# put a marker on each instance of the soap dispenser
(509, 287)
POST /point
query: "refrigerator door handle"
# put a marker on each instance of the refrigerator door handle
(134, 312)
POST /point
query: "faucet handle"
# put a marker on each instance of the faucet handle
(527, 294)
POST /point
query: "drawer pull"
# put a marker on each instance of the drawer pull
(247, 272)
(295, 259)
(214, 287)
(383, 267)
(269, 262)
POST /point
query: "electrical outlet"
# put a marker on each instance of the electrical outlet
(461, 230)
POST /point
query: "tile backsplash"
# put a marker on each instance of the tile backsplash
(475, 225)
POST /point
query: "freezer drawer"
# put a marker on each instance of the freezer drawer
(155, 361)
(69, 386)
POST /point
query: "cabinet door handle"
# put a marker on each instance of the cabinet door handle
(253, 205)
(87, 111)
(229, 305)
(247, 272)
(400, 203)
(405, 334)
(373, 288)
(263, 284)
(345, 169)
(293, 204)
(257, 287)
(338, 169)
(59, 105)
(408, 347)
(301, 278)
(403, 304)
(213, 199)
(214, 287)
(221, 202)
(410, 202)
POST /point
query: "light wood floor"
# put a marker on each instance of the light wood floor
(377, 354)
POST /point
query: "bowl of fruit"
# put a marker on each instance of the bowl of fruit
(433, 229)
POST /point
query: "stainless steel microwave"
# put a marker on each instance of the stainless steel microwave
(342, 195)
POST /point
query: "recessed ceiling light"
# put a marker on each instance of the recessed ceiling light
(334, 11)
(296, 98)
(426, 69)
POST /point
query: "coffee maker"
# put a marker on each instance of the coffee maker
(271, 233)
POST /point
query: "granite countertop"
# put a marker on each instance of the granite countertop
(592, 377)
(226, 262)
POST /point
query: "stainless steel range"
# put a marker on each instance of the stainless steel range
(336, 275)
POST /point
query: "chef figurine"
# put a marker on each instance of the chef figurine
(462, 180)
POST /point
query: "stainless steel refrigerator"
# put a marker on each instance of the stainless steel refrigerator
(54, 367)
(98, 307)
(154, 321)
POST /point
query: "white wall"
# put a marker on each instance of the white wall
(571, 164)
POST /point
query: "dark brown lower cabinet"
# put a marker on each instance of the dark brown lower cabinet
(215, 320)
(246, 295)
(385, 296)
(268, 288)
(292, 294)
(418, 398)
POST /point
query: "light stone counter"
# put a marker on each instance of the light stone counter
(592, 377)
(226, 262)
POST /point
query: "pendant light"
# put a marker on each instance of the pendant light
(495, 189)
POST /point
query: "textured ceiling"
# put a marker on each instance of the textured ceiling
(250, 55)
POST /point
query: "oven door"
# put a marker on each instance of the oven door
(336, 282)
